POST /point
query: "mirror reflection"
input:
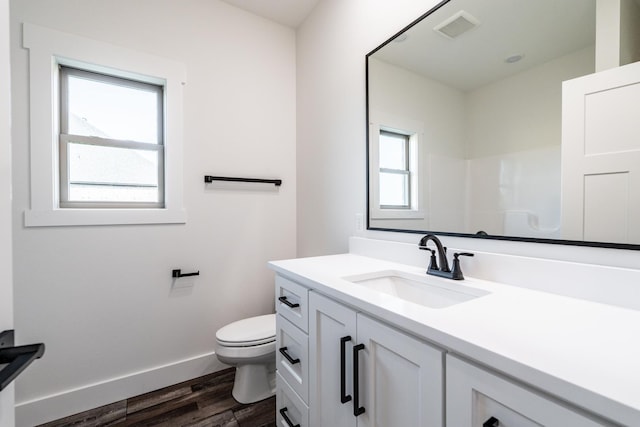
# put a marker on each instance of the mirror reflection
(464, 113)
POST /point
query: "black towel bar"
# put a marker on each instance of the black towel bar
(209, 179)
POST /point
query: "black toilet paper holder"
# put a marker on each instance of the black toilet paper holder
(177, 273)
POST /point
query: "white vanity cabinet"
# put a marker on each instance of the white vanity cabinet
(511, 358)
(477, 397)
(292, 361)
(365, 373)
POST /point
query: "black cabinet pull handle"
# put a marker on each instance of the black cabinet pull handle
(286, 302)
(283, 412)
(357, 409)
(344, 397)
(491, 422)
(283, 351)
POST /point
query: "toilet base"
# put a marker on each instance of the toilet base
(254, 382)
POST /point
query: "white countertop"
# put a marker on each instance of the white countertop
(583, 352)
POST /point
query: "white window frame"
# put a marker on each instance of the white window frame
(66, 138)
(48, 49)
(378, 122)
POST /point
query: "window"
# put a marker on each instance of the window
(111, 141)
(90, 164)
(397, 173)
(395, 183)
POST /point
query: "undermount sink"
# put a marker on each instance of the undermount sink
(423, 290)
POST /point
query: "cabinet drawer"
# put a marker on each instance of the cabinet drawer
(475, 395)
(292, 302)
(289, 404)
(292, 356)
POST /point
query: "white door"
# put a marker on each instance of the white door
(332, 335)
(6, 285)
(401, 378)
(601, 156)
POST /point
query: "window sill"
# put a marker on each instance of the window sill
(80, 217)
(396, 213)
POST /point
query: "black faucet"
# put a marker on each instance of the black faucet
(442, 269)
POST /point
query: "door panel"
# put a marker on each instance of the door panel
(401, 378)
(606, 201)
(601, 156)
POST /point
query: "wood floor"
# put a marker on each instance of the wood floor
(201, 402)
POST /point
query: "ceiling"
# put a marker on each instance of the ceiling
(539, 30)
(287, 12)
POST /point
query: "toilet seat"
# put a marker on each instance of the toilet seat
(249, 332)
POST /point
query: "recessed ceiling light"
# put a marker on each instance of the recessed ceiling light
(513, 58)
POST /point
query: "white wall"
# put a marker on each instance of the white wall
(331, 129)
(440, 112)
(523, 111)
(629, 34)
(6, 282)
(331, 47)
(617, 35)
(439, 108)
(101, 297)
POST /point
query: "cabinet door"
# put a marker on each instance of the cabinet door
(330, 324)
(474, 396)
(400, 377)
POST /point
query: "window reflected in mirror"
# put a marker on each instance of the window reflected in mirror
(394, 170)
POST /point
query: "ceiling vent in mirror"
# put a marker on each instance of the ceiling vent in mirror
(456, 25)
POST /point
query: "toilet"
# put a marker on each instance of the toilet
(250, 346)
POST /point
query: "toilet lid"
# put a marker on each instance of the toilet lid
(252, 331)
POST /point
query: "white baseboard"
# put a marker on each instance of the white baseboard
(69, 402)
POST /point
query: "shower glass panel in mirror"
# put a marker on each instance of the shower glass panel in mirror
(464, 118)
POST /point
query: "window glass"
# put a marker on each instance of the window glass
(394, 170)
(110, 109)
(394, 189)
(110, 174)
(393, 150)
